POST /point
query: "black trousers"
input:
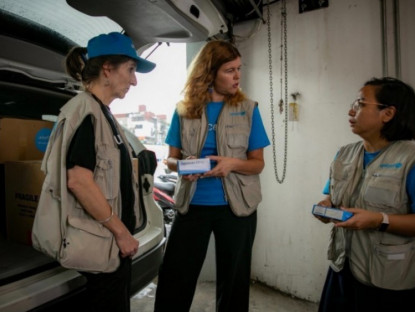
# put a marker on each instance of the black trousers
(343, 293)
(109, 292)
(186, 252)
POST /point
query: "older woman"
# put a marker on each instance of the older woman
(89, 160)
(372, 254)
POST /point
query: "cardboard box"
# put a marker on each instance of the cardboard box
(23, 184)
(24, 181)
(23, 139)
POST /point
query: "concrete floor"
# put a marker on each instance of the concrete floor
(263, 299)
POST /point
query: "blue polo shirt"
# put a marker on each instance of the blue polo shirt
(209, 191)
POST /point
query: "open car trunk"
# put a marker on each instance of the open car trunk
(18, 261)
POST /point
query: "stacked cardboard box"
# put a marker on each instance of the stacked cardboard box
(22, 146)
(23, 139)
(24, 181)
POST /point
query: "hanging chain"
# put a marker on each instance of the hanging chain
(283, 104)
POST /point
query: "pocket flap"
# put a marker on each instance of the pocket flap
(89, 225)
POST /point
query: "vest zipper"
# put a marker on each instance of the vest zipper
(225, 192)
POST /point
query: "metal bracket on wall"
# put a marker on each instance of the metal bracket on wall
(257, 10)
(310, 5)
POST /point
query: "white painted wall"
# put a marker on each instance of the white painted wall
(331, 53)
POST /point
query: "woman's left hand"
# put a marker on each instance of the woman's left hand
(224, 165)
(361, 220)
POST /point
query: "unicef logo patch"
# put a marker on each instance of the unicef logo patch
(42, 138)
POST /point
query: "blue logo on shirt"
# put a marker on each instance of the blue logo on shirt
(238, 113)
(212, 127)
(396, 166)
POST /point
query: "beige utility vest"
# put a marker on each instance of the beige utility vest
(107, 171)
(243, 192)
(376, 258)
(55, 193)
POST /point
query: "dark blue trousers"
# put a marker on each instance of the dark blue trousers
(343, 293)
(186, 252)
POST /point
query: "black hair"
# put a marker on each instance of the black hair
(394, 92)
(86, 70)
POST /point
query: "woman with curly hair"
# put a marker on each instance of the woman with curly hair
(214, 120)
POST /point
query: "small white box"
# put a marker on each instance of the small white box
(193, 166)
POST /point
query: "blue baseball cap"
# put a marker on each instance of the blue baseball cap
(117, 44)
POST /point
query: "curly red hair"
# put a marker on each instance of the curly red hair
(202, 73)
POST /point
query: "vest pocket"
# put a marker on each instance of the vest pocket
(336, 252)
(237, 141)
(88, 246)
(383, 192)
(340, 178)
(392, 267)
(182, 195)
(107, 171)
(250, 188)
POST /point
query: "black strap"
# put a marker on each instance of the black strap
(110, 118)
(127, 195)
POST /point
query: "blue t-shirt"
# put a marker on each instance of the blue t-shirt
(410, 179)
(209, 191)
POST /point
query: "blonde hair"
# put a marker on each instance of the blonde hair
(202, 74)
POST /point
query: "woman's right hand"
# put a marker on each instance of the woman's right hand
(191, 177)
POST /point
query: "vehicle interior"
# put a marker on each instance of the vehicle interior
(33, 30)
(304, 62)
(33, 84)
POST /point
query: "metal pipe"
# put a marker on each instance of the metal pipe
(255, 6)
(384, 37)
(397, 41)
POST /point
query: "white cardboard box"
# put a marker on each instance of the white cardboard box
(193, 166)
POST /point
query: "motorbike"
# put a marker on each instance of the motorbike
(163, 191)
(170, 179)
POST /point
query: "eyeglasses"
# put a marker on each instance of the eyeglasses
(358, 104)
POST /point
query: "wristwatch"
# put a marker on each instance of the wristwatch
(385, 222)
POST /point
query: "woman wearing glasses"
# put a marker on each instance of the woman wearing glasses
(372, 254)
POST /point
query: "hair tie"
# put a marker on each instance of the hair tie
(84, 57)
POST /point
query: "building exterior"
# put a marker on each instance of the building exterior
(147, 126)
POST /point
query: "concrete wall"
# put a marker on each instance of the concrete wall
(331, 53)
